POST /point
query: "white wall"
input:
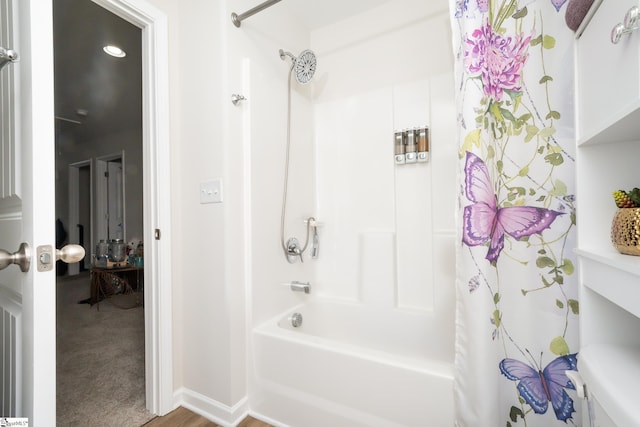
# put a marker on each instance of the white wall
(69, 150)
(208, 281)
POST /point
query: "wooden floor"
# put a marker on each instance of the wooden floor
(183, 417)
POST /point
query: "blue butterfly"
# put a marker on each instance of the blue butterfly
(538, 388)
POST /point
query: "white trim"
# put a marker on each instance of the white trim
(157, 197)
(247, 221)
(101, 225)
(103, 195)
(12, 303)
(219, 413)
(74, 210)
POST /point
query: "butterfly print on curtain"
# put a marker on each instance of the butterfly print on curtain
(538, 388)
(484, 221)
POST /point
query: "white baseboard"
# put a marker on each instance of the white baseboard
(219, 413)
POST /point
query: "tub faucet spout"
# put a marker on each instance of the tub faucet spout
(300, 287)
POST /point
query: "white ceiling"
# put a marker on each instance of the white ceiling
(107, 88)
(318, 13)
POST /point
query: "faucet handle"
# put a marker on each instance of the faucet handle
(293, 250)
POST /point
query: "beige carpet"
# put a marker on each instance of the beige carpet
(100, 360)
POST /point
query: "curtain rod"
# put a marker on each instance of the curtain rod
(237, 19)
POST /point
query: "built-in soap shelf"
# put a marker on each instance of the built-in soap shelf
(411, 145)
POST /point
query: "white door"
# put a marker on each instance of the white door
(27, 201)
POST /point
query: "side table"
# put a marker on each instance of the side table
(102, 279)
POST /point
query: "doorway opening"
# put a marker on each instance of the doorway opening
(140, 177)
(99, 118)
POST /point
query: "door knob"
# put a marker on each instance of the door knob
(22, 258)
(68, 254)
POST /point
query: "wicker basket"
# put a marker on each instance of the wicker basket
(625, 231)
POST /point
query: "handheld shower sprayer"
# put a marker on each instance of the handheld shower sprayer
(305, 67)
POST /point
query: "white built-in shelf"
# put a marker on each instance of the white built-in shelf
(608, 152)
(612, 375)
(620, 126)
(608, 255)
(614, 276)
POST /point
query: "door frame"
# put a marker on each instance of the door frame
(74, 211)
(102, 191)
(156, 198)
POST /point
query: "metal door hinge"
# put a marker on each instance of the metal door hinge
(157, 234)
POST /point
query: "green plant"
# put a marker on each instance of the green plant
(624, 199)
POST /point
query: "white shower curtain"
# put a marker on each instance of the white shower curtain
(517, 306)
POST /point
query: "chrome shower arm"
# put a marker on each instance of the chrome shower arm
(284, 54)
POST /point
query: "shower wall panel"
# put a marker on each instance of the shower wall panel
(413, 204)
(384, 77)
(355, 186)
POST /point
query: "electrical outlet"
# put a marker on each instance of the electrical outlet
(211, 191)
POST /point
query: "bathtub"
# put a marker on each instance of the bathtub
(350, 365)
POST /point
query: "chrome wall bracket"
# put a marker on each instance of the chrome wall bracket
(236, 98)
(7, 56)
(237, 19)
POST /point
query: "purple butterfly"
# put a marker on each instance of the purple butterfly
(484, 221)
(538, 388)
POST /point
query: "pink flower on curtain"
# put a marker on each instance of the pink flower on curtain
(498, 60)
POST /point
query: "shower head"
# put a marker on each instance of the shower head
(304, 65)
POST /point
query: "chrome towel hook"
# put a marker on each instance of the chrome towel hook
(235, 98)
(7, 56)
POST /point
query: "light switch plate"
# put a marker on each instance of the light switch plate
(211, 191)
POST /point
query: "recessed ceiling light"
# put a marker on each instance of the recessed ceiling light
(114, 51)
